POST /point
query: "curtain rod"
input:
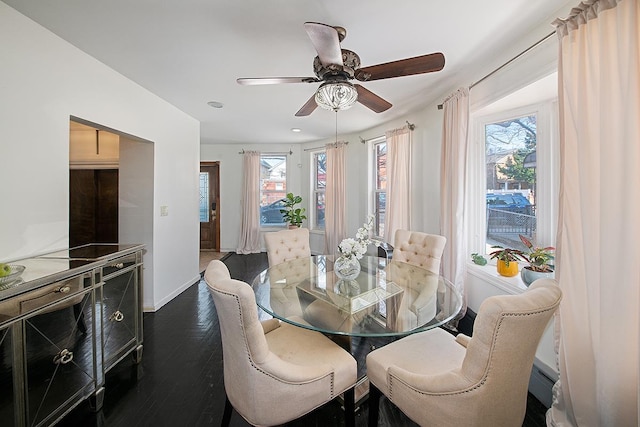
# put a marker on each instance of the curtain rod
(542, 40)
(410, 126)
(242, 151)
(319, 148)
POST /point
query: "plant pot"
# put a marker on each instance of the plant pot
(346, 268)
(507, 271)
(293, 227)
(529, 276)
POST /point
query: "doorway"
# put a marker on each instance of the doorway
(111, 190)
(209, 206)
(93, 206)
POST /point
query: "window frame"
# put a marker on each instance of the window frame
(315, 190)
(547, 173)
(373, 175)
(261, 192)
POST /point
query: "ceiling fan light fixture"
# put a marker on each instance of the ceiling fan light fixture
(336, 96)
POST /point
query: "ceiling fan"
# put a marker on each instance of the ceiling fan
(335, 67)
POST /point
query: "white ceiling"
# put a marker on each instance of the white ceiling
(190, 52)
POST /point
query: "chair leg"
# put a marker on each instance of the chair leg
(350, 407)
(226, 416)
(374, 405)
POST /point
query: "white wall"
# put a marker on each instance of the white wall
(45, 80)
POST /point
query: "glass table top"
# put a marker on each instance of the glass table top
(388, 298)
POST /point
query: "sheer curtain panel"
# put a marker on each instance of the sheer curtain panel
(249, 241)
(398, 203)
(335, 213)
(453, 167)
(598, 227)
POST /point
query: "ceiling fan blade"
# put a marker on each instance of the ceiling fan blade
(275, 80)
(371, 100)
(326, 42)
(403, 67)
(308, 107)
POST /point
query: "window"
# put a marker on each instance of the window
(273, 188)
(379, 186)
(516, 185)
(319, 184)
(204, 197)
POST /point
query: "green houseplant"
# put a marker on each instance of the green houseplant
(290, 213)
(507, 260)
(540, 262)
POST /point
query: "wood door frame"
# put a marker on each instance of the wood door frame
(217, 201)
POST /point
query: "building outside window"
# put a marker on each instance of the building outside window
(273, 188)
(319, 181)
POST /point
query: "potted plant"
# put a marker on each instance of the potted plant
(540, 262)
(507, 260)
(290, 213)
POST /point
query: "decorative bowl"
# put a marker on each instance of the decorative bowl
(16, 271)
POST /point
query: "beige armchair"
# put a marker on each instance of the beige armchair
(282, 246)
(418, 305)
(274, 372)
(439, 380)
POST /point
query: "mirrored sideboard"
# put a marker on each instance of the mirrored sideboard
(70, 317)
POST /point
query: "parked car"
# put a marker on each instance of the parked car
(515, 202)
(270, 214)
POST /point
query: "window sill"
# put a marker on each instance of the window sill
(489, 273)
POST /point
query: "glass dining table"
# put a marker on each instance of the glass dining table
(389, 299)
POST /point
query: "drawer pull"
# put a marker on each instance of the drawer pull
(117, 316)
(64, 357)
(63, 289)
(117, 265)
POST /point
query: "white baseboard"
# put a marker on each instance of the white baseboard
(157, 306)
(541, 382)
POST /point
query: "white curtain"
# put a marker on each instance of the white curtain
(598, 248)
(249, 241)
(398, 214)
(453, 167)
(335, 208)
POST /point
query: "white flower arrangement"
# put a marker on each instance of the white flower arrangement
(356, 248)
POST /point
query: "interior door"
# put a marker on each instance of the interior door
(93, 206)
(209, 206)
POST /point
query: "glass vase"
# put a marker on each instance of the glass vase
(346, 268)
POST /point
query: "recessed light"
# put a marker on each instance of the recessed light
(215, 104)
(296, 130)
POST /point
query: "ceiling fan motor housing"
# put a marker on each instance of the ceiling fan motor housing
(350, 61)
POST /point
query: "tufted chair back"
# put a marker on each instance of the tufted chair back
(285, 245)
(420, 249)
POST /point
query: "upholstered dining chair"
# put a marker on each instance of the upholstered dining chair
(418, 306)
(274, 372)
(282, 246)
(437, 379)
(420, 249)
(285, 245)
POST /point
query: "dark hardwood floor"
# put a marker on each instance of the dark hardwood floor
(180, 379)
